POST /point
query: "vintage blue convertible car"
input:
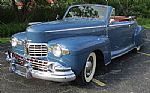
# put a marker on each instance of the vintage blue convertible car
(71, 48)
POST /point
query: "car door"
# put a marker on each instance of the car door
(121, 37)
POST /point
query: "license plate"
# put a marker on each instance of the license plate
(21, 69)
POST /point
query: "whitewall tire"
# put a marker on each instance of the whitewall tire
(90, 67)
(88, 71)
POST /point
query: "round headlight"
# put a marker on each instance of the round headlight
(14, 42)
(57, 51)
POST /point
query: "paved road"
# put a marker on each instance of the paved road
(127, 74)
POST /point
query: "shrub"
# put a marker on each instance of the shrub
(47, 12)
(7, 14)
(6, 30)
(145, 22)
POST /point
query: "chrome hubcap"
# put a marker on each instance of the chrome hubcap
(89, 66)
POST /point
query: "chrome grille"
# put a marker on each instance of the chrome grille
(19, 59)
(37, 50)
(39, 64)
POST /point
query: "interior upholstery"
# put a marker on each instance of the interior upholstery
(119, 18)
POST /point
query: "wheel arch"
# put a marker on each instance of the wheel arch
(100, 59)
(139, 35)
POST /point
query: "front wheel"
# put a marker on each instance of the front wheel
(88, 72)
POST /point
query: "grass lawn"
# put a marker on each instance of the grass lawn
(145, 22)
(4, 40)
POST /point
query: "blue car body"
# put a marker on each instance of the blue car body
(80, 36)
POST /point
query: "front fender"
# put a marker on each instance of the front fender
(80, 48)
(21, 36)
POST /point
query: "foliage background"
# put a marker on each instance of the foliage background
(13, 20)
(46, 12)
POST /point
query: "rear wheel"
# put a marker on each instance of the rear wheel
(88, 72)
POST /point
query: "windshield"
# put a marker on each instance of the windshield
(84, 11)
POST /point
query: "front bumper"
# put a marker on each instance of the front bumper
(57, 72)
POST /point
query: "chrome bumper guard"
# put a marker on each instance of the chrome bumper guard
(56, 73)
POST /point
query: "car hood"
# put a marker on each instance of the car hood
(43, 32)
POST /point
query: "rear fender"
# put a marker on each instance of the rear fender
(139, 36)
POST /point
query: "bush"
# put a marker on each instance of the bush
(40, 13)
(140, 8)
(47, 12)
(145, 22)
(6, 30)
(7, 14)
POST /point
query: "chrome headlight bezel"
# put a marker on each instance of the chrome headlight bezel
(15, 42)
(58, 51)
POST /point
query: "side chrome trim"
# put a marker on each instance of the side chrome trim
(119, 55)
(129, 23)
(70, 29)
(107, 63)
(122, 53)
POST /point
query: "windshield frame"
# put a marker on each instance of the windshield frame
(96, 5)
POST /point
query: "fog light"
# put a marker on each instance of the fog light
(14, 42)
